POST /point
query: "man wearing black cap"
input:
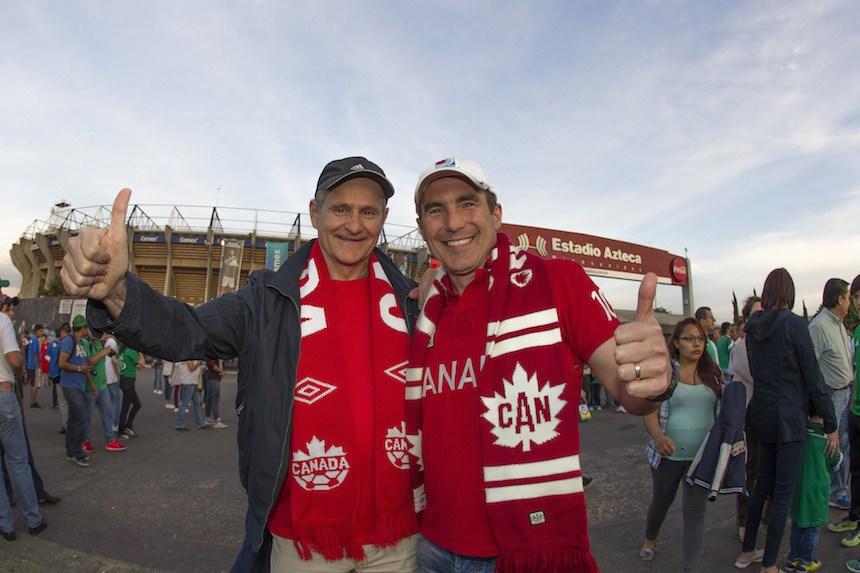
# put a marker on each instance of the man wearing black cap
(321, 431)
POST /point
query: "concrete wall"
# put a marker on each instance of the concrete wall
(44, 311)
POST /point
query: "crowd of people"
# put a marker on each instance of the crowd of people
(476, 466)
(84, 372)
(780, 388)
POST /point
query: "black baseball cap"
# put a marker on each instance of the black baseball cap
(342, 170)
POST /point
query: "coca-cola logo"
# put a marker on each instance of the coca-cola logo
(679, 270)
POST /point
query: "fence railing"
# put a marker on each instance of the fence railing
(198, 218)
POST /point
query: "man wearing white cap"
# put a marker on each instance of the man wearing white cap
(494, 382)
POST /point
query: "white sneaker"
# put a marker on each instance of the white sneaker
(169, 406)
(219, 424)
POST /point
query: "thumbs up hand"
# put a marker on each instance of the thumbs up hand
(97, 259)
(641, 354)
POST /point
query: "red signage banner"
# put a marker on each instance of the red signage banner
(600, 256)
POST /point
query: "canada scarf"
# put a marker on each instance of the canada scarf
(530, 439)
(323, 495)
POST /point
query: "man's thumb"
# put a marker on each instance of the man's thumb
(647, 293)
(117, 214)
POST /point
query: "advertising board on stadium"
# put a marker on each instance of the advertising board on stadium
(600, 256)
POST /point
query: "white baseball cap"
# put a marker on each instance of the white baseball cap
(452, 166)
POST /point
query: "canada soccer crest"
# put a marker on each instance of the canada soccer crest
(397, 447)
(319, 468)
(526, 413)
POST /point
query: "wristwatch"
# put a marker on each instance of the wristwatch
(676, 377)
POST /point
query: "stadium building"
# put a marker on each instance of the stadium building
(196, 253)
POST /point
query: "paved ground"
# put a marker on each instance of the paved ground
(173, 502)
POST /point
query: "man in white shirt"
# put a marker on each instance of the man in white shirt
(12, 439)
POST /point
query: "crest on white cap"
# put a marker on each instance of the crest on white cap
(451, 165)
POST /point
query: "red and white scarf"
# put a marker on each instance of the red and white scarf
(323, 498)
(530, 436)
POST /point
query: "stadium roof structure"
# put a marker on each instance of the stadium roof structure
(177, 249)
(181, 250)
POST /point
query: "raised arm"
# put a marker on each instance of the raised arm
(96, 266)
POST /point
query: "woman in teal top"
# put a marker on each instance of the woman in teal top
(676, 433)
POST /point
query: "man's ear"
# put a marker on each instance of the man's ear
(497, 215)
(313, 209)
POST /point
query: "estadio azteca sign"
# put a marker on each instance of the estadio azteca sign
(600, 256)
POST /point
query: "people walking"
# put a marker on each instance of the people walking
(788, 388)
(74, 367)
(129, 361)
(214, 371)
(676, 433)
(186, 375)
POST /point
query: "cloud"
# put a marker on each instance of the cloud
(668, 124)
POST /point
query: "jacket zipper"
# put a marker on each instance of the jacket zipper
(280, 475)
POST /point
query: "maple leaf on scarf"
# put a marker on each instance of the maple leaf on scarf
(316, 449)
(525, 414)
(415, 448)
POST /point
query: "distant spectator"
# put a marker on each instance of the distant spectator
(788, 389)
(33, 365)
(214, 371)
(810, 508)
(739, 369)
(854, 431)
(706, 320)
(185, 375)
(833, 352)
(724, 347)
(129, 361)
(54, 357)
(74, 368)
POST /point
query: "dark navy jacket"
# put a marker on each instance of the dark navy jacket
(720, 464)
(788, 387)
(260, 324)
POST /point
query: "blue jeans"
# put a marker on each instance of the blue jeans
(188, 393)
(158, 380)
(434, 559)
(804, 540)
(778, 469)
(213, 398)
(106, 412)
(116, 404)
(15, 453)
(841, 402)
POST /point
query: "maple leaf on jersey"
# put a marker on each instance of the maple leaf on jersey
(526, 413)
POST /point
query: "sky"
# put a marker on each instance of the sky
(729, 129)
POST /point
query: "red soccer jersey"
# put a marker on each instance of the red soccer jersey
(455, 517)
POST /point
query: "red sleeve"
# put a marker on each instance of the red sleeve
(587, 318)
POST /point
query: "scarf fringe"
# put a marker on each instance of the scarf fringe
(567, 560)
(335, 543)
(393, 526)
